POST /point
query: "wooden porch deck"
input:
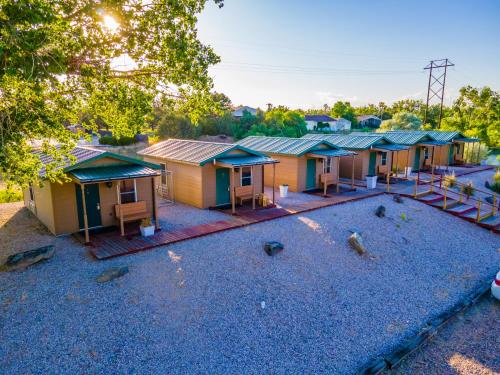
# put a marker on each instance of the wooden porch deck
(111, 244)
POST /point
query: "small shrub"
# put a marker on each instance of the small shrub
(495, 187)
(450, 180)
(107, 140)
(496, 177)
(468, 189)
(10, 195)
(146, 222)
(404, 217)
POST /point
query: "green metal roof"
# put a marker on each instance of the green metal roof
(435, 143)
(332, 153)
(85, 155)
(350, 142)
(408, 138)
(193, 152)
(449, 136)
(390, 147)
(115, 172)
(242, 161)
(283, 145)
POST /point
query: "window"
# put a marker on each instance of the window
(246, 176)
(426, 153)
(327, 165)
(128, 191)
(383, 158)
(32, 194)
(457, 148)
(163, 167)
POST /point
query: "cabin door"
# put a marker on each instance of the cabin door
(222, 193)
(451, 154)
(92, 205)
(416, 162)
(372, 163)
(311, 174)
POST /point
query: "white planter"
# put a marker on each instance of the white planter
(371, 182)
(283, 191)
(147, 231)
(408, 171)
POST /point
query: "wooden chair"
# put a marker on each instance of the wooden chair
(130, 212)
(243, 193)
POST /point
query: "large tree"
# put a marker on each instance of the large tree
(60, 59)
(344, 110)
(402, 121)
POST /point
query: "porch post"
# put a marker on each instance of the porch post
(119, 199)
(471, 157)
(324, 178)
(397, 162)
(274, 181)
(155, 203)
(338, 174)
(389, 171)
(352, 172)
(253, 186)
(231, 186)
(407, 162)
(85, 220)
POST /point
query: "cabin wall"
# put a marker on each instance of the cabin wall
(42, 207)
(360, 165)
(286, 172)
(65, 208)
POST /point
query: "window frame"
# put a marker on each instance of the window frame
(163, 177)
(327, 165)
(383, 158)
(31, 193)
(246, 177)
(426, 153)
(128, 192)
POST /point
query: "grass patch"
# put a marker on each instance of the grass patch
(9, 195)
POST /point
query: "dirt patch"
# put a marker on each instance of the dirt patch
(20, 230)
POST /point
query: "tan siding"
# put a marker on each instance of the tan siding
(108, 198)
(44, 208)
(65, 210)
(286, 172)
(145, 192)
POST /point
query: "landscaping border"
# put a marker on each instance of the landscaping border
(408, 345)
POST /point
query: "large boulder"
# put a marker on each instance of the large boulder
(112, 273)
(357, 244)
(27, 258)
(273, 247)
(380, 211)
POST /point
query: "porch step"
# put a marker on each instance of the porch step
(460, 209)
(450, 203)
(492, 221)
(430, 198)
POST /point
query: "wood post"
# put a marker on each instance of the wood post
(253, 187)
(338, 174)
(155, 204)
(85, 219)
(407, 162)
(444, 197)
(352, 172)
(478, 216)
(416, 188)
(122, 226)
(231, 187)
(479, 153)
(274, 181)
(397, 162)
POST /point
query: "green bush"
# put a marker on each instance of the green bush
(496, 177)
(468, 189)
(112, 141)
(10, 195)
(495, 187)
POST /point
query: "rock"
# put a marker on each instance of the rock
(273, 247)
(357, 244)
(487, 184)
(27, 258)
(380, 211)
(489, 199)
(112, 273)
(397, 198)
(355, 230)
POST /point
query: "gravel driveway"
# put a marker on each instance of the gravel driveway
(218, 304)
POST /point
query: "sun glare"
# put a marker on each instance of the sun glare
(110, 23)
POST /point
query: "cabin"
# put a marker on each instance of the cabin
(303, 164)
(368, 121)
(210, 174)
(374, 153)
(103, 189)
(432, 148)
(453, 153)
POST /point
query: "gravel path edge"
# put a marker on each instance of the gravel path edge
(431, 328)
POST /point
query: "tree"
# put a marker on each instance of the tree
(476, 112)
(58, 60)
(402, 121)
(344, 110)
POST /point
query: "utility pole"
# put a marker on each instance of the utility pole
(437, 82)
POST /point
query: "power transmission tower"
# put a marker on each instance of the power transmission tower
(437, 81)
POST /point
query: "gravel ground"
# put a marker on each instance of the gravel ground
(20, 230)
(178, 215)
(466, 345)
(292, 198)
(218, 304)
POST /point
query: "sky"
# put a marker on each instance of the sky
(304, 54)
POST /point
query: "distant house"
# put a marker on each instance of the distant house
(369, 121)
(238, 112)
(326, 123)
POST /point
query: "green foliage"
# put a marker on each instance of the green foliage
(402, 121)
(56, 63)
(450, 180)
(476, 153)
(9, 195)
(468, 189)
(113, 141)
(496, 176)
(344, 110)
